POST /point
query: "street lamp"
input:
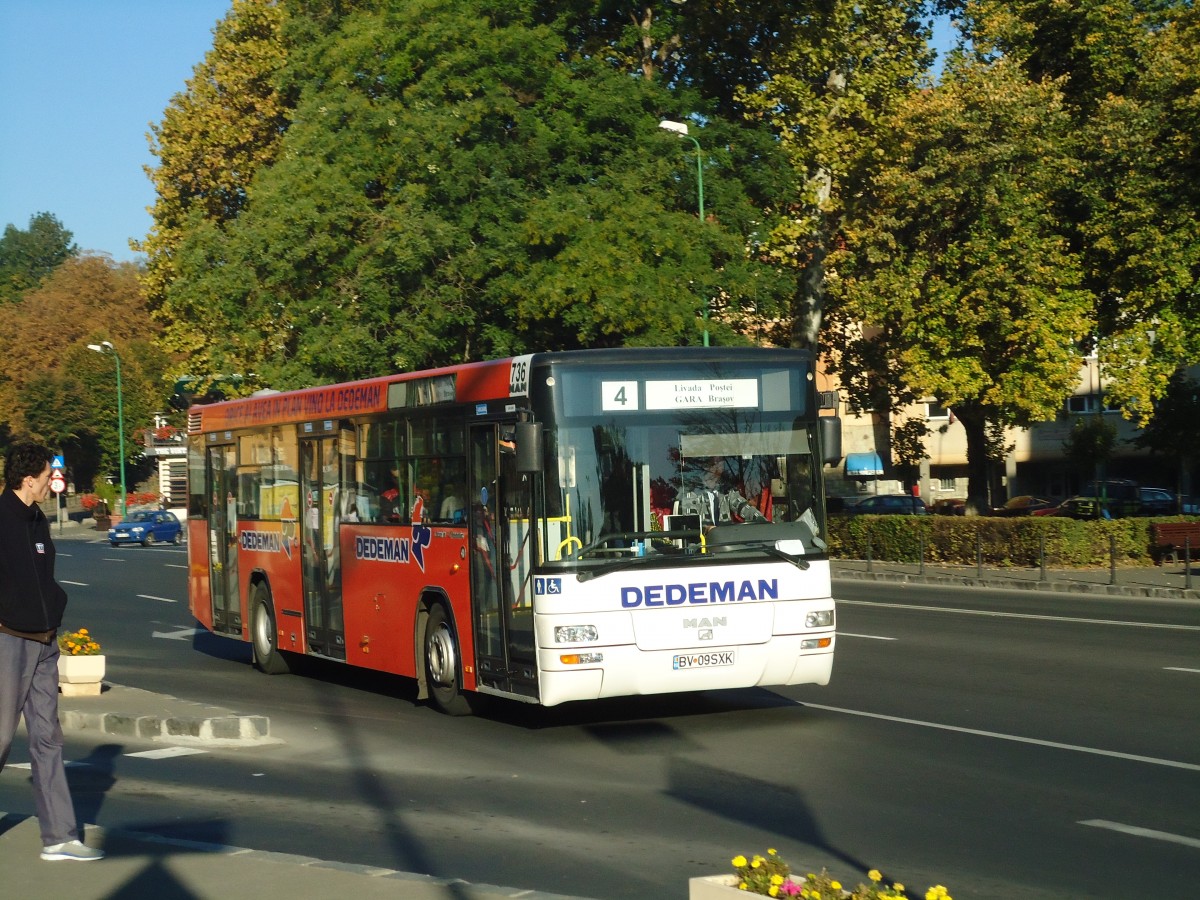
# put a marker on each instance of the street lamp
(681, 129)
(107, 347)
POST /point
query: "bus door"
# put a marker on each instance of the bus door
(223, 539)
(326, 481)
(501, 563)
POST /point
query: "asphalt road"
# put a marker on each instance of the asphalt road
(1002, 744)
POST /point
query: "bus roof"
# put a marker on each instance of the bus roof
(464, 383)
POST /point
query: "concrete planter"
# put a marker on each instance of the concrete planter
(80, 676)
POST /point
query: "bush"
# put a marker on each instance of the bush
(1018, 542)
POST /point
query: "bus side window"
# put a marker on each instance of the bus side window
(383, 477)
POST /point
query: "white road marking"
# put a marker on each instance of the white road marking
(175, 566)
(1011, 615)
(161, 753)
(183, 634)
(67, 763)
(161, 599)
(1095, 751)
(167, 752)
(1142, 832)
(74, 583)
(112, 559)
(869, 637)
(1180, 669)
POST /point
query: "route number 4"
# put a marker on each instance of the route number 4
(619, 396)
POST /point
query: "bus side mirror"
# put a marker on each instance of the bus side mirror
(529, 446)
(830, 428)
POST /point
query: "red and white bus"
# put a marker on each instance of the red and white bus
(537, 528)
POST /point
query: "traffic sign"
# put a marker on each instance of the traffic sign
(58, 484)
(58, 462)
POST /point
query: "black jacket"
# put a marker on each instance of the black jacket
(30, 599)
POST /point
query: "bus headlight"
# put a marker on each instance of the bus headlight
(575, 634)
(821, 619)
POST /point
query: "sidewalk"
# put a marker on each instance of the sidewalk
(144, 865)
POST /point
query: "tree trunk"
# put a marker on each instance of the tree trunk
(974, 424)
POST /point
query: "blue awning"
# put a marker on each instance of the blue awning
(863, 465)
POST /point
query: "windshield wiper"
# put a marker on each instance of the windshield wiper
(766, 546)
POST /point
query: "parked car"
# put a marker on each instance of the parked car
(1157, 502)
(1079, 508)
(889, 504)
(949, 506)
(145, 527)
(1120, 496)
(1023, 505)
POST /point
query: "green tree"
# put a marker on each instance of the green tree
(1129, 71)
(829, 83)
(1141, 233)
(1174, 429)
(53, 389)
(1090, 445)
(215, 134)
(957, 280)
(455, 183)
(26, 257)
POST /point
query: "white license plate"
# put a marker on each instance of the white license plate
(703, 660)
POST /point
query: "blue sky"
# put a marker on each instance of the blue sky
(80, 83)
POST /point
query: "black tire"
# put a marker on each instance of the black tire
(148, 539)
(443, 665)
(263, 636)
(178, 536)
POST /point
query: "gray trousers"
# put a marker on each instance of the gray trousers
(29, 687)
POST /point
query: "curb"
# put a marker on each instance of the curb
(131, 712)
(228, 730)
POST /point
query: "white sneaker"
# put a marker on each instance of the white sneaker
(72, 850)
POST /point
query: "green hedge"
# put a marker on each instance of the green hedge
(956, 540)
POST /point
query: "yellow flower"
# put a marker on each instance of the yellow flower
(777, 879)
(836, 885)
(875, 875)
(773, 891)
(743, 886)
(756, 862)
(898, 887)
(739, 861)
(770, 851)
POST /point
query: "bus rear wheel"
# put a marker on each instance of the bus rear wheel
(443, 671)
(263, 635)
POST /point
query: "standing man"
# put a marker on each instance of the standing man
(31, 609)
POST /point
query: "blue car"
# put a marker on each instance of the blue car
(145, 527)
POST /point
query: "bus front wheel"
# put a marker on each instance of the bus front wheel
(263, 635)
(443, 672)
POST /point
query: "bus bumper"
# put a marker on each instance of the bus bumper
(627, 671)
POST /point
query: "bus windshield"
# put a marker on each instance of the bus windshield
(684, 484)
